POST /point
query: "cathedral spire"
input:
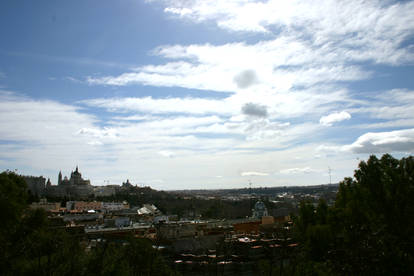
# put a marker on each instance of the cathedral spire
(60, 178)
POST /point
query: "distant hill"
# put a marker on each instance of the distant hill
(262, 190)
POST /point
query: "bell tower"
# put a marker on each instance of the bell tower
(60, 178)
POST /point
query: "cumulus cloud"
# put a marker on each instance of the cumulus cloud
(334, 117)
(245, 79)
(383, 142)
(256, 110)
(377, 142)
(254, 174)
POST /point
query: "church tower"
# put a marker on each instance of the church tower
(60, 178)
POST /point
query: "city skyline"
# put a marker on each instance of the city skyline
(205, 94)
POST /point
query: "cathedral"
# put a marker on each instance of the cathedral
(74, 186)
(75, 179)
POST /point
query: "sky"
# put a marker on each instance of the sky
(196, 94)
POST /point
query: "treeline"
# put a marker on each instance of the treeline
(31, 245)
(369, 230)
(265, 191)
(184, 206)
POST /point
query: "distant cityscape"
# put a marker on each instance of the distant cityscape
(104, 211)
(273, 230)
(75, 186)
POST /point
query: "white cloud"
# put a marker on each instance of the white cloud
(272, 64)
(386, 110)
(275, 91)
(377, 142)
(305, 170)
(95, 143)
(392, 105)
(42, 134)
(111, 152)
(98, 133)
(254, 174)
(166, 153)
(318, 46)
(43, 121)
(72, 79)
(281, 105)
(228, 118)
(383, 142)
(181, 12)
(376, 27)
(149, 105)
(334, 117)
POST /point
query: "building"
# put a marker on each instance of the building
(83, 206)
(74, 186)
(114, 206)
(149, 210)
(127, 184)
(75, 179)
(260, 210)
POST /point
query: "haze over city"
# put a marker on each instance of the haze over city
(204, 94)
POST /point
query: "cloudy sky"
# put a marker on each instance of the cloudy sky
(181, 94)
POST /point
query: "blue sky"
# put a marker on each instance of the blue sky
(204, 94)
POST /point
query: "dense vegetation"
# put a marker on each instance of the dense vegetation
(31, 245)
(369, 230)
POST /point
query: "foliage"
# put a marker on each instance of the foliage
(183, 206)
(30, 245)
(370, 228)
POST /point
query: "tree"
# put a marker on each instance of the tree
(13, 202)
(370, 228)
